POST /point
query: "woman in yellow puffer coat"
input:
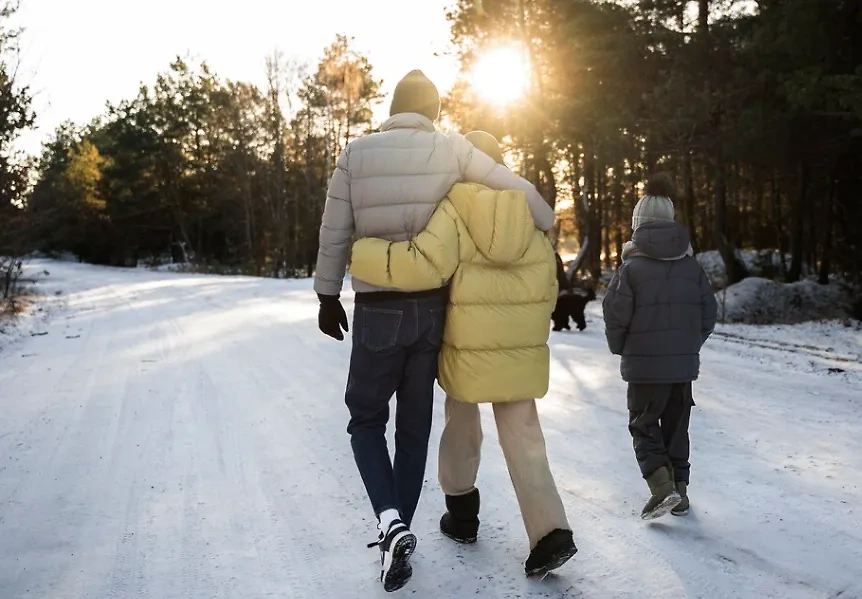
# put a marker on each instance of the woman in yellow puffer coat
(502, 289)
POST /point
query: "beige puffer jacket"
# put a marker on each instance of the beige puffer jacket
(388, 185)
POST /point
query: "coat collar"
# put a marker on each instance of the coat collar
(408, 120)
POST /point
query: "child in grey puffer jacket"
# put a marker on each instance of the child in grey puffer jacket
(659, 310)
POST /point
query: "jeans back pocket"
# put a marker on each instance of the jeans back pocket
(380, 328)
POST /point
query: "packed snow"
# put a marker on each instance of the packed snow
(758, 263)
(181, 436)
(760, 301)
(39, 301)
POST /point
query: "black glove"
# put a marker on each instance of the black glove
(331, 318)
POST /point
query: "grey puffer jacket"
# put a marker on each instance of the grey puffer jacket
(659, 309)
(388, 185)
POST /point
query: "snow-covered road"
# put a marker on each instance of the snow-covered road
(178, 436)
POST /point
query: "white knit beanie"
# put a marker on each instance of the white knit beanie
(655, 205)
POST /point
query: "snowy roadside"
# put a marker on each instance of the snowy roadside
(831, 348)
(179, 436)
(43, 298)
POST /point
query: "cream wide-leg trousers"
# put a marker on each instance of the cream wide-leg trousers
(523, 445)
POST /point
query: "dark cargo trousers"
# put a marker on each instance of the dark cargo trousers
(658, 422)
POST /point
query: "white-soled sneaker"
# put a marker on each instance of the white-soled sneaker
(396, 547)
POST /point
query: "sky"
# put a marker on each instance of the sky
(79, 54)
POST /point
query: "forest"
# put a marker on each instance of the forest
(754, 108)
(203, 170)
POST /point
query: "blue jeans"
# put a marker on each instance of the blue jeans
(395, 347)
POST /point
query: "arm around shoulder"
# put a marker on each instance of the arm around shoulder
(478, 167)
(502, 178)
(425, 262)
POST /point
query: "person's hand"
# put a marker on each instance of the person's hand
(331, 318)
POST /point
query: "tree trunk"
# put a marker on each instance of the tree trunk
(738, 222)
(779, 230)
(7, 279)
(618, 214)
(733, 267)
(826, 262)
(579, 213)
(546, 181)
(703, 15)
(797, 232)
(248, 225)
(200, 232)
(812, 247)
(689, 201)
(760, 215)
(604, 217)
(649, 158)
(594, 232)
(188, 250)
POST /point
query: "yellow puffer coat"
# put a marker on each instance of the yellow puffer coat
(503, 287)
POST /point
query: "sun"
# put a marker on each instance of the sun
(501, 74)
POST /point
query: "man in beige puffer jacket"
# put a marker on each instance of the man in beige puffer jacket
(387, 185)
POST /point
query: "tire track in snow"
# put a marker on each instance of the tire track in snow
(283, 396)
(256, 439)
(291, 532)
(140, 448)
(26, 434)
(233, 380)
(45, 509)
(824, 353)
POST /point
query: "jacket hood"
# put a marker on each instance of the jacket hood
(499, 222)
(660, 241)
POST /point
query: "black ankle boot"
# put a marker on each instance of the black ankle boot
(554, 550)
(461, 522)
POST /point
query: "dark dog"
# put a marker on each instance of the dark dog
(571, 305)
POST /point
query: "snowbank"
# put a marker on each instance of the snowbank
(56, 256)
(41, 299)
(186, 267)
(759, 263)
(761, 301)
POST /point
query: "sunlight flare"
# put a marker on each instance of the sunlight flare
(501, 75)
